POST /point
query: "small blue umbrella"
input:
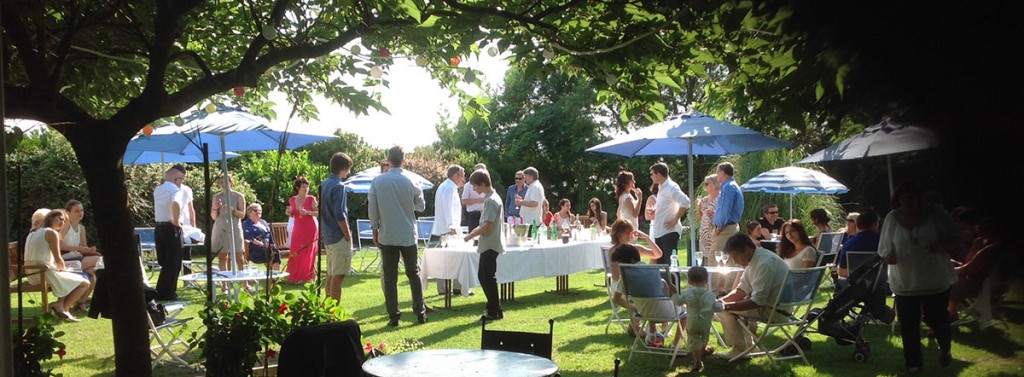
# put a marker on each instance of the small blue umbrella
(793, 180)
(360, 182)
(690, 134)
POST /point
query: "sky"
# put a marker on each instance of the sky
(416, 102)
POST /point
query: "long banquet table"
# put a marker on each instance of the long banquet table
(517, 263)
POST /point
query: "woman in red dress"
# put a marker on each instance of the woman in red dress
(303, 241)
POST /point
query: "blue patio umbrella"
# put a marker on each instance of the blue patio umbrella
(360, 182)
(690, 134)
(793, 180)
(150, 157)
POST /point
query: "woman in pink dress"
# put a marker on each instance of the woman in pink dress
(303, 246)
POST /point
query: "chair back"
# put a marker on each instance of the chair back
(607, 261)
(423, 229)
(537, 344)
(643, 280)
(12, 258)
(829, 242)
(855, 259)
(147, 238)
(824, 259)
(279, 231)
(364, 229)
(800, 287)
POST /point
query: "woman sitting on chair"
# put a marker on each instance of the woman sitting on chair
(74, 241)
(624, 234)
(42, 247)
(260, 239)
(795, 247)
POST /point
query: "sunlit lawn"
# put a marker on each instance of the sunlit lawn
(581, 347)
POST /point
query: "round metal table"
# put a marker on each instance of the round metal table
(455, 362)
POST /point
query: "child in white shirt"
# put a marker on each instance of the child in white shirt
(700, 310)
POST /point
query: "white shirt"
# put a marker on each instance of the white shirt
(917, 270)
(534, 193)
(185, 215)
(469, 193)
(447, 208)
(808, 254)
(393, 202)
(670, 199)
(763, 277)
(163, 196)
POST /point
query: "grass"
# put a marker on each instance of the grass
(581, 348)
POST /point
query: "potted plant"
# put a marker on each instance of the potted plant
(36, 345)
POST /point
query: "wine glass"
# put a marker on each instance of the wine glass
(720, 257)
(700, 257)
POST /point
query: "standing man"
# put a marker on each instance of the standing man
(448, 213)
(670, 206)
(531, 205)
(763, 277)
(474, 201)
(334, 224)
(190, 233)
(168, 204)
(771, 222)
(393, 202)
(516, 190)
(728, 209)
(490, 245)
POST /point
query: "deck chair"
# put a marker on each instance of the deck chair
(829, 242)
(610, 287)
(644, 288)
(423, 229)
(537, 344)
(797, 295)
(366, 233)
(279, 233)
(984, 308)
(13, 255)
(166, 343)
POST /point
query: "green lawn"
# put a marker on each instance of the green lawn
(581, 348)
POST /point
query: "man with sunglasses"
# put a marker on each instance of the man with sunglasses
(518, 189)
(771, 222)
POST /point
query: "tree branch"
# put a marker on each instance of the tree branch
(528, 21)
(16, 29)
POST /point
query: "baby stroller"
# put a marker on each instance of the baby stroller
(857, 300)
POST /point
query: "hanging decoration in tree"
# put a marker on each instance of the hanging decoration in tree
(178, 121)
(355, 50)
(455, 60)
(492, 51)
(470, 76)
(376, 72)
(211, 108)
(239, 91)
(384, 52)
(148, 129)
(548, 54)
(611, 79)
(268, 32)
(421, 60)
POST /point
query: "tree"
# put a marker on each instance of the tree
(98, 71)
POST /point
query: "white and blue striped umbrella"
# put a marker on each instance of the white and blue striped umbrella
(360, 182)
(794, 180)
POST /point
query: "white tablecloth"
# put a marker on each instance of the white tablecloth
(515, 264)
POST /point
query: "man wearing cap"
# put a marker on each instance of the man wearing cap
(168, 205)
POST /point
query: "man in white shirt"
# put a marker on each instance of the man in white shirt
(190, 234)
(393, 201)
(531, 206)
(763, 277)
(168, 205)
(448, 213)
(474, 202)
(671, 205)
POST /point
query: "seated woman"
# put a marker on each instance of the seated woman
(795, 247)
(42, 247)
(595, 215)
(548, 217)
(258, 236)
(563, 218)
(820, 219)
(977, 266)
(630, 254)
(754, 231)
(623, 233)
(74, 241)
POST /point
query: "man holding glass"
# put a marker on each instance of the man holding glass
(771, 222)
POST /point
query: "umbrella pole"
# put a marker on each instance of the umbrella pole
(689, 216)
(888, 168)
(227, 199)
(209, 225)
(791, 205)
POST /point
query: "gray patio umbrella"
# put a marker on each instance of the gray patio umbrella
(690, 134)
(883, 139)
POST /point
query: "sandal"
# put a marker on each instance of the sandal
(82, 306)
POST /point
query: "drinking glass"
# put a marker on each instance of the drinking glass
(700, 257)
(720, 257)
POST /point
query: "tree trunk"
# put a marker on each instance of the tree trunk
(99, 153)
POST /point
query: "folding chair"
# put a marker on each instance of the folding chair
(366, 233)
(147, 248)
(423, 229)
(537, 344)
(984, 308)
(830, 242)
(611, 288)
(798, 292)
(167, 337)
(855, 259)
(645, 289)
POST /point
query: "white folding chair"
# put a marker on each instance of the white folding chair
(799, 290)
(366, 233)
(644, 286)
(167, 336)
(983, 309)
(610, 287)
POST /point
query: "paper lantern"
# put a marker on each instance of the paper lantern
(376, 72)
(147, 130)
(492, 51)
(611, 79)
(470, 76)
(239, 91)
(455, 60)
(355, 50)
(178, 121)
(421, 61)
(269, 32)
(384, 52)
(548, 54)
(211, 108)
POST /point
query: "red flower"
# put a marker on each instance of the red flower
(271, 352)
(380, 346)
(61, 353)
(283, 308)
(384, 52)
(368, 347)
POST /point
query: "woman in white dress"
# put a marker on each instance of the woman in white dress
(795, 247)
(42, 247)
(706, 207)
(629, 198)
(74, 239)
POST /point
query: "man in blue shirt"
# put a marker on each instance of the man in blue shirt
(518, 189)
(334, 224)
(866, 239)
(728, 208)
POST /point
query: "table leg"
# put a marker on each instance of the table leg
(448, 294)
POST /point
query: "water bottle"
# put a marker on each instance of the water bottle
(674, 259)
(542, 233)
